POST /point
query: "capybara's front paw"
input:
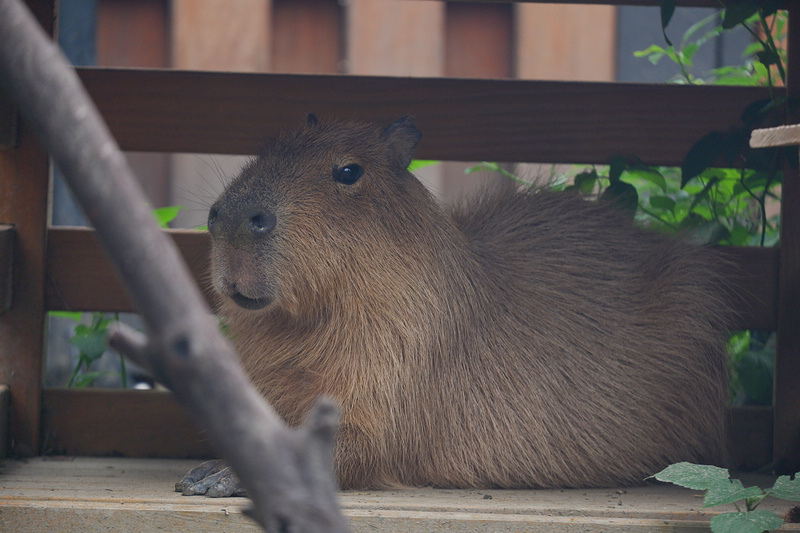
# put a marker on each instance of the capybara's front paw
(211, 478)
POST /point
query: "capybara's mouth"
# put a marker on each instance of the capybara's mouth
(250, 304)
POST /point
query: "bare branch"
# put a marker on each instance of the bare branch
(286, 472)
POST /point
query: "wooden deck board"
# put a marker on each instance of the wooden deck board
(69, 494)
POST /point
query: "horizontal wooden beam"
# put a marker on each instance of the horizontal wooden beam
(124, 423)
(80, 277)
(105, 422)
(6, 266)
(461, 119)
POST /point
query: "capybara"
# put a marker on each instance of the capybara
(518, 339)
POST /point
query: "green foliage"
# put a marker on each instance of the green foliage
(721, 490)
(761, 61)
(165, 215)
(417, 164)
(90, 340)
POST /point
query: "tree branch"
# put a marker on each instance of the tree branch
(286, 472)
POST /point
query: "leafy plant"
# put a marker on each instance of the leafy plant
(721, 490)
(90, 340)
(762, 60)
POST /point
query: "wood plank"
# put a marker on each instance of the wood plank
(581, 46)
(125, 423)
(779, 136)
(478, 40)
(5, 398)
(24, 173)
(80, 277)
(93, 495)
(201, 41)
(467, 120)
(386, 37)
(786, 392)
(306, 36)
(9, 122)
(132, 33)
(7, 234)
(750, 438)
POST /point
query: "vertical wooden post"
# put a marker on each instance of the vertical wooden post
(786, 447)
(23, 203)
(566, 42)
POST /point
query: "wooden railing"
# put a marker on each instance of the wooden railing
(462, 119)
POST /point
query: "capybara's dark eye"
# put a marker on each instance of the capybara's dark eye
(349, 174)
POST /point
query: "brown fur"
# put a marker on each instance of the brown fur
(525, 339)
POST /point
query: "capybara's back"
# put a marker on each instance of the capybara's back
(522, 339)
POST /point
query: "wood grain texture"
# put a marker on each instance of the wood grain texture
(779, 136)
(80, 277)
(214, 35)
(5, 398)
(24, 173)
(144, 424)
(461, 119)
(6, 267)
(122, 423)
(97, 495)
(786, 393)
(566, 42)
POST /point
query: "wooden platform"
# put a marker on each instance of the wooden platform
(66, 494)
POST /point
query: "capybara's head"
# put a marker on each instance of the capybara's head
(301, 218)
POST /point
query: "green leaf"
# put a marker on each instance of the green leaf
(769, 7)
(692, 476)
(707, 232)
(622, 196)
(755, 370)
(586, 181)
(667, 10)
(768, 57)
(688, 53)
(653, 49)
(725, 491)
(417, 164)
(786, 488)
(92, 344)
(664, 203)
(649, 174)
(739, 236)
(72, 315)
(165, 215)
(749, 522)
(702, 155)
(615, 167)
(737, 12)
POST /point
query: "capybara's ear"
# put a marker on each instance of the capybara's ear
(402, 137)
(311, 120)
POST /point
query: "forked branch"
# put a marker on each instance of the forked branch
(286, 472)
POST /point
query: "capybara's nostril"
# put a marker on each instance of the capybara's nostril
(261, 223)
